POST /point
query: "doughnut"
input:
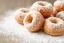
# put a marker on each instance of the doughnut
(60, 15)
(33, 21)
(20, 14)
(43, 7)
(54, 26)
(59, 5)
(54, 12)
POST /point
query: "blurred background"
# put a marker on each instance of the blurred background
(6, 5)
(15, 4)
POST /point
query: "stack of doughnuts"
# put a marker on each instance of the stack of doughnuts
(43, 14)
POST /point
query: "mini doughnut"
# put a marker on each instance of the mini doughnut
(20, 14)
(33, 21)
(54, 12)
(43, 7)
(59, 5)
(60, 15)
(54, 26)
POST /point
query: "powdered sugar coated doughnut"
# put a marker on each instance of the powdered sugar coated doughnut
(59, 5)
(20, 14)
(33, 21)
(54, 26)
(60, 15)
(43, 7)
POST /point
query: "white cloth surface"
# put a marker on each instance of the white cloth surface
(12, 32)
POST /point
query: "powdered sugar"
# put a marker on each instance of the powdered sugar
(20, 12)
(46, 6)
(59, 3)
(59, 25)
(60, 14)
(37, 20)
(12, 32)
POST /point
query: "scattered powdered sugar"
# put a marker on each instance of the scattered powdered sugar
(12, 32)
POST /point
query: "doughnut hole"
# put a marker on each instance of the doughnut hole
(25, 11)
(41, 4)
(53, 21)
(29, 19)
